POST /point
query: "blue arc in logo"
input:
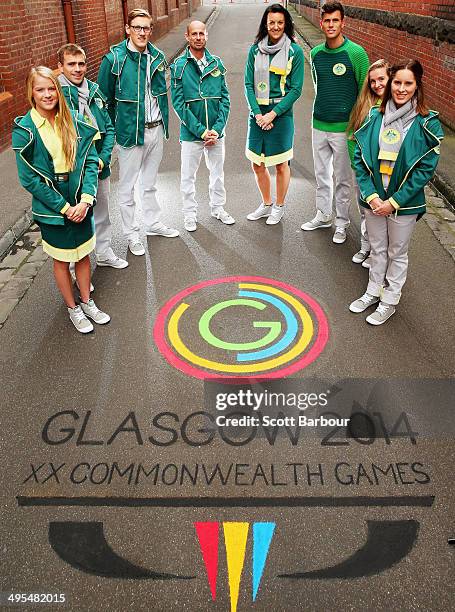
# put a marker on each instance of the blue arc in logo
(289, 336)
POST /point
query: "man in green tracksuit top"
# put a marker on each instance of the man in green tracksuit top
(338, 69)
(201, 100)
(84, 97)
(132, 78)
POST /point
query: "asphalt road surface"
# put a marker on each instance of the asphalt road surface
(121, 490)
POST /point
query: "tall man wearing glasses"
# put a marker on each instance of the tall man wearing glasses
(84, 97)
(132, 77)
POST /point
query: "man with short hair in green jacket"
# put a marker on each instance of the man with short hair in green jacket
(201, 100)
(132, 77)
(338, 67)
(84, 96)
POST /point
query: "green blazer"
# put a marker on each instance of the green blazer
(122, 79)
(201, 100)
(290, 90)
(36, 169)
(414, 167)
(98, 106)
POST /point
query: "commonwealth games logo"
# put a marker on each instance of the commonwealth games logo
(241, 327)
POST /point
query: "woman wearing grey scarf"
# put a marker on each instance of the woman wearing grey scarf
(397, 154)
(273, 82)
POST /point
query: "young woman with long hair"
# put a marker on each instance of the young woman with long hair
(58, 164)
(397, 153)
(273, 83)
(370, 95)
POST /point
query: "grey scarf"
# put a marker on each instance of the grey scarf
(395, 123)
(83, 94)
(262, 68)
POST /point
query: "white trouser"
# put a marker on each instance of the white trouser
(364, 240)
(389, 239)
(140, 165)
(331, 159)
(102, 219)
(191, 159)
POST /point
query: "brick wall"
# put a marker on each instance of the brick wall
(114, 19)
(97, 23)
(42, 31)
(443, 9)
(91, 31)
(438, 59)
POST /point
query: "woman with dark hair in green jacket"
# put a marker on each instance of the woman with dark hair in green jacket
(273, 83)
(58, 164)
(397, 154)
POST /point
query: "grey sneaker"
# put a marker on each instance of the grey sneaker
(318, 222)
(276, 215)
(74, 279)
(381, 314)
(223, 216)
(136, 247)
(364, 302)
(360, 256)
(163, 230)
(79, 320)
(367, 263)
(190, 224)
(92, 311)
(261, 211)
(339, 236)
(112, 261)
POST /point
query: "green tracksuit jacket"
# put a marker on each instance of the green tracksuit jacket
(200, 99)
(414, 167)
(98, 106)
(36, 170)
(122, 79)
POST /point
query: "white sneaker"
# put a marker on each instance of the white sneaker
(276, 215)
(74, 279)
(364, 302)
(136, 247)
(162, 230)
(360, 256)
(223, 216)
(367, 263)
(318, 222)
(112, 261)
(339, 236)
(190, 224)
(261, 211)
(92, 311)
(381, 314)
(79, 320)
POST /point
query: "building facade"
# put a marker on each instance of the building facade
(400, 29)
(31, 31)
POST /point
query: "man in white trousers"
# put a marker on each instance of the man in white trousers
(338, 68)
(201, 100)
(132, 77)
(84, 97)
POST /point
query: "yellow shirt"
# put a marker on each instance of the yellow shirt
(52, 141)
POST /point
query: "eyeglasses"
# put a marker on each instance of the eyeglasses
(139, 29)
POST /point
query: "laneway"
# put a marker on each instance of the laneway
(362, 521)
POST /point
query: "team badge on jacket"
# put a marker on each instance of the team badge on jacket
(390, 136)
(339, 69)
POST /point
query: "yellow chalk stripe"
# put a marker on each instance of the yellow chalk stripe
(297, 349)
(235, 539)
